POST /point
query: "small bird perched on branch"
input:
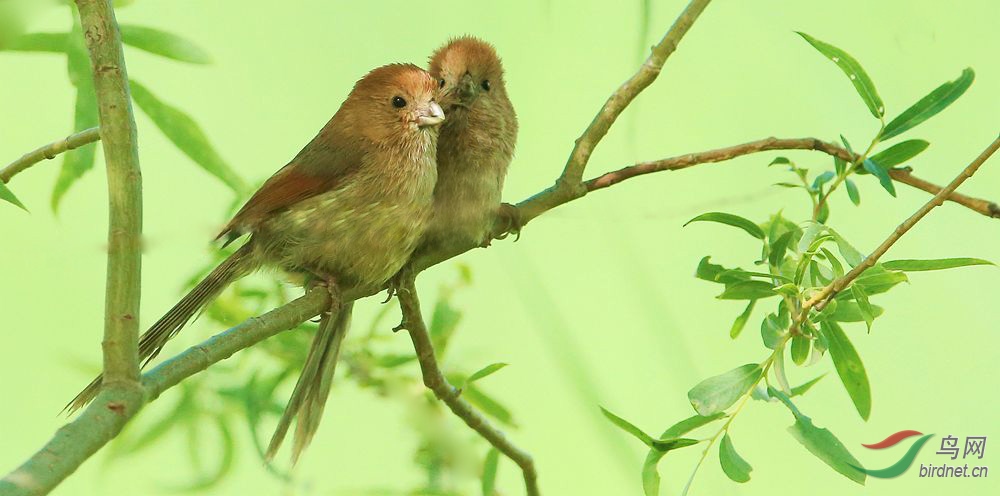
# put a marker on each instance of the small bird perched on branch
(348, 210)
(475, 147)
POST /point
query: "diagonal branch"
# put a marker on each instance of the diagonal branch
(904, 176)
(49, 152)
(819, 299)
(413, 322)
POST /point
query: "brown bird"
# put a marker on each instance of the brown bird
(348, 210)
(475, 147)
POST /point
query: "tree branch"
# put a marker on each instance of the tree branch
(904, 176)
(49, 152)
(121, 156)
(573, 172)
(820, 298)
(413, 322)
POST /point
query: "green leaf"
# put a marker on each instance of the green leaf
(485, 371)
(850, 254)
(878, 280)
(772, 331)
(40, 42)
(165, 44)
(806, 386)
(930, 105)
(650, 477)
(839, 165)
(8, 196)
(838, 268)
(934, 264)
(715, 394)
(821, 442)
(882, 174)
(735, 467)
(741, 320)
(859, 78)
(850, 311)
(747, 290)
(490, 472)
(187, 135)
(867, 313)
(800, 349)
(899, 153)
(709, 271)
(779, 161)
(778, 248)
(488, 405)
(732, 220)
(852, 192)
(628, 427)
(849, 368)
(665, 445)
(77, 162)
(822, 179)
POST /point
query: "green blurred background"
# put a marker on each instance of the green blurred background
(597, 303)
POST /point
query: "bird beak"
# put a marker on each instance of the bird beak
(467, 88)
(431, 115)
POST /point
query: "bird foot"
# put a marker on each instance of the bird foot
(395, 285)
(508, 222)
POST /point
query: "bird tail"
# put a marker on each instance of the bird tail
(313, 387)
(151, 342)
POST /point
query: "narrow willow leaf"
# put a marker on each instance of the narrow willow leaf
(488, 405)
(882, 174)
(8, 196)
(709, 271)
(165, 44)
(485, 371)
(849, 368)
(715, 394)
(187, 135)
(732, 220)
(787, 289)
(899, 153)
(821, 442)
(747, 290)
(490, 472)
(838, 268)
(741, 320)
(780, 161)
(40, 42)
(77, 162)
(650, 476)
(839, 165)
(878, 280)
(809, 236)
(772, 331)
(864, 306)
(852, 192)
(628, 427)
(821, 180)
(806, 386)
(859, 78)
(778, 367)
(734, 466)
(935, 264)
(930, 105)
(778, 248)
(800, 349)
(850, 254)
(846, 143)
(667, 445)
(850, 311)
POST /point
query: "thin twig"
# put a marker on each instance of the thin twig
(121, 156)
(904, 176)
(820, 298)
(623, 96)
(413, 322)
(49, 152)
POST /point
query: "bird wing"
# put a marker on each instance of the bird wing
(320, 167)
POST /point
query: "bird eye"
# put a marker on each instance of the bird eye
(398, 102)
(486, 84)
(441, 83)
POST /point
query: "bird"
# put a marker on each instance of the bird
(347, 210)
(475, 147)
